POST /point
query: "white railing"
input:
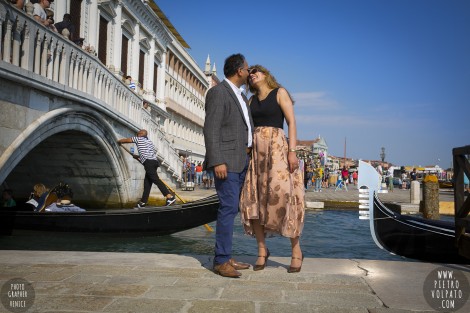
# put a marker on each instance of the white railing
(35, 48)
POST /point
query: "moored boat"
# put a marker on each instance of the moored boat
(415, 237)
(162, 220)
(408, 236)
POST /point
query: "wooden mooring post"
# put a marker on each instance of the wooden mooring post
(430, 204)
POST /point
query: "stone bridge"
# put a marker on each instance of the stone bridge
(62, 111)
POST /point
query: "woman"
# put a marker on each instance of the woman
(38, 196)
(272, 199)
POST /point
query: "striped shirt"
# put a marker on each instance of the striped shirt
(146, 149)
(131, 85)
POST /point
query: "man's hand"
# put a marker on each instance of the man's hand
(220, 171)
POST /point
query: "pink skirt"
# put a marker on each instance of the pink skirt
(271, 193)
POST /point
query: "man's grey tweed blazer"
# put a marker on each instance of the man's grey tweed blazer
(225, 129)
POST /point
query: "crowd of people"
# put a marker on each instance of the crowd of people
(195, 173)
(44, 15)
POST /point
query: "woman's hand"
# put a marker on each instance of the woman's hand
(293, 161)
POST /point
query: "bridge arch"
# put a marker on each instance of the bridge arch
(73, 146)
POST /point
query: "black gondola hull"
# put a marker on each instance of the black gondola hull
(150, 220)
(413, 237)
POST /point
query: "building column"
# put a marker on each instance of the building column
(60, 8)
(149, 81)
(161, 79)
(134, 57)
(117, 42)
(92, 29)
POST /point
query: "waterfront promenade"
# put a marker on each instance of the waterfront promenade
(79, 282)
(147, 282)
(329, 198)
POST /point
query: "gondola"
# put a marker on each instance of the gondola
(408, 236)
(445, 184)
(415, 237)
(149, 220)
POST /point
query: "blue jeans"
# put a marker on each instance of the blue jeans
(228, 190)
(317, 184)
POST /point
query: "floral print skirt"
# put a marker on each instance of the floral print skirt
(271, 193)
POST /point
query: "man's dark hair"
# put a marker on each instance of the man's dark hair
(233, 63)
(67, 17)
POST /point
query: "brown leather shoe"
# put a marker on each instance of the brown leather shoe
(239, 265)
(226, 270)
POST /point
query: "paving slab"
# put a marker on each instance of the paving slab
(149, 282)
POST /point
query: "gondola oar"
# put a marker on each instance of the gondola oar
(182, 200)
(172, 190)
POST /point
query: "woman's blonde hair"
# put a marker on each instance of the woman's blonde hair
(270, 80)
(39, 189)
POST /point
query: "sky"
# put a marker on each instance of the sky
(368, 73)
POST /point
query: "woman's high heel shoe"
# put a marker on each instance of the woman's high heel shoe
(293, 269)
(262, 266)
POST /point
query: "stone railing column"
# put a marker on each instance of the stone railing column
(105, 91)
(86, 70)
(44, 56)
(73, 59)
(57, 52)
(91, 79)
(27, 52)
(80, 74)
(37, 54)
(76, 66)
(64, 64)
(50, 58)
(7, 42)
(16, 42)
(100, 85)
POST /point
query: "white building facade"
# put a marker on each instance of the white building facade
(134, 38)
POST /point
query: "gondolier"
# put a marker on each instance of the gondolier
(148, 157)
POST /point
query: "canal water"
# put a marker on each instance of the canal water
(327, 234)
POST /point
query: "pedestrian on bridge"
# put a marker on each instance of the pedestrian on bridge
(148, 157)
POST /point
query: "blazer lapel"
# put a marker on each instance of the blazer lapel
(249, 113)
(235, 99)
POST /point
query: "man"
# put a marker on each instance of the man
(148, 157)
(7, 199)
(40, 14)
(413, 174)
(66, 24)
(130, 83)
(199, 174)
(390, 171)
(228, 137)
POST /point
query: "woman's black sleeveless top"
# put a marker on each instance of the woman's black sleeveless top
(267, 112)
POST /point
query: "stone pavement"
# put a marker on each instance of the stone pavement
(132, 282)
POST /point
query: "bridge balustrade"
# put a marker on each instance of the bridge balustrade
(32, 47)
